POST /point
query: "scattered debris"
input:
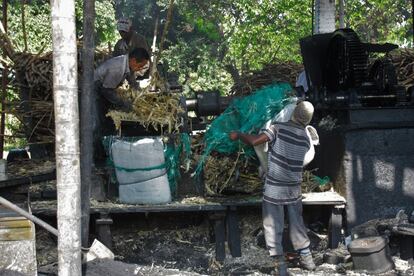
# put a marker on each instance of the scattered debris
(232, 174)
(337, 255)
(189, 251)
(30, 167)
(312, 183)
(403, 60)
(328, 123)
(282, 71)
(106, 267)
(46, 247)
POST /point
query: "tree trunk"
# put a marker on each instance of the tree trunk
(324, 16)
(24, 25)
(341, 14)
(65, 92)
(4, 82)
(86, 116)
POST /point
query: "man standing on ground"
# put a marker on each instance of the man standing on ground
(289, 144)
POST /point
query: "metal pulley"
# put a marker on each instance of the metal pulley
(208, 103)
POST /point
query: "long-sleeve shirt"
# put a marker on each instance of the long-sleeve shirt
(112, 72)
(288, 146)
(136, 41)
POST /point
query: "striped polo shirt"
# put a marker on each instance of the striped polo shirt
(287, 148)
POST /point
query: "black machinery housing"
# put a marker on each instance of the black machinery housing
(365, 121)
(340, 73)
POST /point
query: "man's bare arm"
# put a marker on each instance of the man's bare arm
(250, 139)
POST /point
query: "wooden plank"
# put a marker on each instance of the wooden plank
(406, 248)
(158, 209)
(327, 198)
(233, 232)
(219, 235)
(48, 208)
(8, 214)
(9, 182)
(15, 223)
(12, 218)
(103, 227)
(308, 199)
(16, 234)
(334, 228)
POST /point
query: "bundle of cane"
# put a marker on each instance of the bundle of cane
(279, 72)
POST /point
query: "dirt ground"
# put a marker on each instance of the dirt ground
(142, 249)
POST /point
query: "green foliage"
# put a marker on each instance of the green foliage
(204, 26)
(254, 33)
(142, 13)
(38, 24)
(196, 68)
(212, 43)
(245, 34)
(207, 28)
(13, 126)
(266, 31)
(381, 20)
(105, 23)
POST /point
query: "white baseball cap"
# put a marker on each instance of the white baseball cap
(124, 24)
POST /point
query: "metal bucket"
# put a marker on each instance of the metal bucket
(371, 255)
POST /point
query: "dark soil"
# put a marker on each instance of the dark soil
(153, 245)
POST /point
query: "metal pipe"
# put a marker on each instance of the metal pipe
(191, 104)
(27, 215)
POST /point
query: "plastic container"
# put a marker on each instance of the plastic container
(371, 254)
(133, 160)
(3, 166)
(153, 191)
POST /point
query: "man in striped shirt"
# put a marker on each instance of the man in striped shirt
(288, 145)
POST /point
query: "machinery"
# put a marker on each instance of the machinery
(366, 146)
(203, 104)
(339, 72)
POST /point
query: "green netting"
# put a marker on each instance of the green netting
(246, 115)
(321, 181)
(172, 153)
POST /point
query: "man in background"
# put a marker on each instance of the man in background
(130, 39)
